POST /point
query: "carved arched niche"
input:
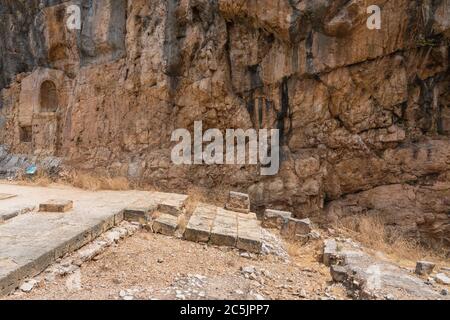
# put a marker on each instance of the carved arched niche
(48, 97)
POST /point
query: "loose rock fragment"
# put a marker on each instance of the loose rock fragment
(424, 267)
(338, 273)
(296, 228)
(238, 202)
(275, 218)
(140, 211)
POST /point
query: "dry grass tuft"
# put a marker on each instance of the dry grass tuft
(92, 182)
(41, 179)
(293, 249)
(371, 231)
(195, 197)
(182, 222)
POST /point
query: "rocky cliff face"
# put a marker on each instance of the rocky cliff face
(364, 115)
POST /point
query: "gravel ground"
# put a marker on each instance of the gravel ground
(150, 266)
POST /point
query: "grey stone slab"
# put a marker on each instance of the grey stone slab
(200, 224)
(224, 230)
(249, 234)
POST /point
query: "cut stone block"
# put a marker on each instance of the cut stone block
(238, 202)
(56, 206)
(442, 279)
(296, 228)
(4, 196)
(174, 206)
(199, 226)
(224, 230)
(329, 252)
(424, 267)
(140, 211)
(249, 234)
(275, 218)
(165, 224)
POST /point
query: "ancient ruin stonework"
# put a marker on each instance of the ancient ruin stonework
(364, 115)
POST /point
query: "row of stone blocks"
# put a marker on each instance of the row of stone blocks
(217, 226)
(291, 228)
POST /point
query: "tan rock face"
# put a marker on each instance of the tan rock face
(358, 110)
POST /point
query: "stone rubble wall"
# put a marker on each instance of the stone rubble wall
(364, 114)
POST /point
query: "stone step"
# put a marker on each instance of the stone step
(249, 234)
(200, 224)
(238, 202)
(174, 205)
(140, 211)
(165, 224)
(224, 230)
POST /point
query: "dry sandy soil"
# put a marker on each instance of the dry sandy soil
(151, 266)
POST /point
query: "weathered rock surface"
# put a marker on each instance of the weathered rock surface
(364, 114)
(368, 277)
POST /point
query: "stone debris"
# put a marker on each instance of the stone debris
(275, 218)
(369, 277)
(338, 273)
(248, 270)
(296, 229)
(28, 285)
(6, 214)
(184, 287)
(238, 202)
(165, 224)
(442, 279)
(12, 166)
(424, 267)
(272, 245)
(56, 206)
(129, 294)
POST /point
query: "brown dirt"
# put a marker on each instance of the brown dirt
(140, 265)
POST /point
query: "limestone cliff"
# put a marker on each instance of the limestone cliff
(364, 114)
